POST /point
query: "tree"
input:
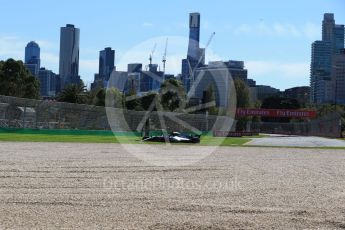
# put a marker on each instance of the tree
(242, 97)
(73, 93)
(325, 109)
(114, 98)
(147, 100)
(277, 102)
(172, 95)
(132, 101)
(97, 96)
(242, 94)
(209, 96)
(257, 105)
(17, 81)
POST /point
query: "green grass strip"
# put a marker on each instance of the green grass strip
(18, 137)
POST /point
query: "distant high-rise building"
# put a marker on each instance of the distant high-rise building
(328, 25)
(151, 80)
(32, 57)
(264, 91)
(251, 82)
(69, 55)
(301, 93)
(339, 32)
(134, 67)
(338, 77)
(218, 73)
(195, 55)
(235, 68)
(194, 37)
(218, 77)
(137, 80)
(33, 69)
(323, 52)
(186, 74)
(106, 66)
(320, 72)
(47, 82)
(134, 78)
(106, 62)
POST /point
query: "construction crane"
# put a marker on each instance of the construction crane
(164, 59)
(207, 44)
(191, 71)
(210, 39)
(190, 68)
(152, 52)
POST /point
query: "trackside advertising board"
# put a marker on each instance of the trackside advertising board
(241, 112)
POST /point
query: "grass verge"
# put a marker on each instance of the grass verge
(205, 140)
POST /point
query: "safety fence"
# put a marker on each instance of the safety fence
(20, 113)
(327, 126)
(52, 115)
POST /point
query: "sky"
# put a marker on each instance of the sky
(272, 37)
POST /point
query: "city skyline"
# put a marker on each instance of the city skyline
(271, 60)
(324, 86)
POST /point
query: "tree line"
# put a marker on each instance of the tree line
(17, 81)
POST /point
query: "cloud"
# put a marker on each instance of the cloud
(282, 74)
(205, 24)
(228, 27)
(292, 29)
(262, 28)
(87, 69)
(308, 30)
(311, 31)
(212, 56)
(278, 73)
(11, 47)
(243, 29)
(50, 61)
(89, 52)
(47, 45)
(89, 65)
(285, 69)
(279, 28)
(14, 47)
(147, 24)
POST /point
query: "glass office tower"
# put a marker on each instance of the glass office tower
(69, 55)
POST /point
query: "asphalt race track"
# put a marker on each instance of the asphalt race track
(296, 141)
(65, 185)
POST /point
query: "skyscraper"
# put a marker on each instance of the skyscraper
(32, 57)
(194, 37)
(339, 32)
(106, 63)
(333, 33)
(320, 72)
(195, 53)
(328, 24)
(47, 82)
(69, 55)
(105, 67)
(321, 68)
(338, 77)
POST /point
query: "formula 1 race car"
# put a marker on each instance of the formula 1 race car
(174, 137)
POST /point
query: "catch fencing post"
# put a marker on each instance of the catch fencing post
(24, 117)
(206, 116)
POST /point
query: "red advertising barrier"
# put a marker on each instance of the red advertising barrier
(241, 112)
(233, 134)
